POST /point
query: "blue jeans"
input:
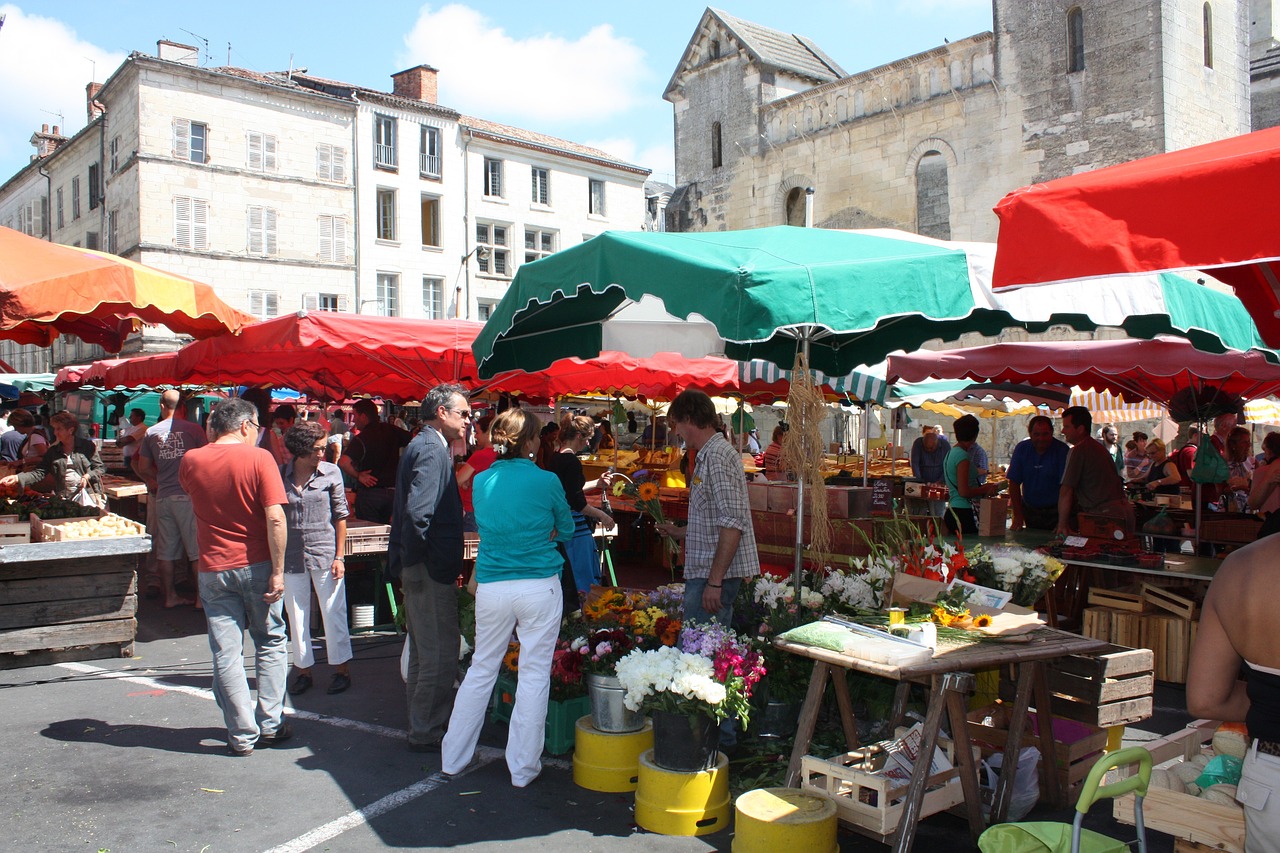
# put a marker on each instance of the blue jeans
(693, 612)
(232, 603)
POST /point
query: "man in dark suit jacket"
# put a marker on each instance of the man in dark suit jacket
(426, 554)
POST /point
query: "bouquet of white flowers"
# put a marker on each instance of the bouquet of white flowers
(1026, 574)
(862, 587)
(712, 672)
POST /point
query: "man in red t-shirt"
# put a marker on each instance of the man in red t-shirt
(238, 498)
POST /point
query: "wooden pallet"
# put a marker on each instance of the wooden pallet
(1110, 688)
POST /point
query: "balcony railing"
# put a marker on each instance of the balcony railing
(384, 155)
(429, 165)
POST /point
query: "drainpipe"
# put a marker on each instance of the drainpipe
(355, 190)
(467, 230)
(808, 207)
(47, 218)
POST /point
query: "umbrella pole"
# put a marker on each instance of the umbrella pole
(797, 574)
(866, 442)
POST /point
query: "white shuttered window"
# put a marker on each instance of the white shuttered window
(262, 230)
(190, 223)
(333, 238)
(262, 151)
(331, 163)
(264, 303)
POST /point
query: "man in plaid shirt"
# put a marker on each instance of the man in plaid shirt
(719, 542)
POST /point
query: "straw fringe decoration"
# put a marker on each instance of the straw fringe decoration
(802, 453)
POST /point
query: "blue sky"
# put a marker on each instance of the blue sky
(592, 72)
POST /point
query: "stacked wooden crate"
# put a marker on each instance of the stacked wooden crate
(1146, 616)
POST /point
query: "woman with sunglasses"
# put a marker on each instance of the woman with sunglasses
(1163, 477)
(316, 516)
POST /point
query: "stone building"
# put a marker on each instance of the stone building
(930, 142)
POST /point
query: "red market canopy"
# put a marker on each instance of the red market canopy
(1152, 370)
(47, 289)
(1211, 207)
(615, 374)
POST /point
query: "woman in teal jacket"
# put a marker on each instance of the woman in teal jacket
(522, 513)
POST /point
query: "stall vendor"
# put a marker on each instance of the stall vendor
(1090, 482)
(1163, 476)
(962, 479)
(1035, 475)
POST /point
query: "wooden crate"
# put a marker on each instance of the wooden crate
(1216, 825)
(53, 529)
(1077, 745)
(1110, 688)
(1237, 531)
(993, 516)
(1169, 638)
(1169, 600)
(1129, 599)
(872, 804)
(65, 601)
(13, 531)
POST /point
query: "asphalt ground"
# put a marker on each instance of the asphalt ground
(130, 755)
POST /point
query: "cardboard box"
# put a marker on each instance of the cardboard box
(993, 516)
(849, 501)
(758, 495)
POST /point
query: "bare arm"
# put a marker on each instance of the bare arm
(1066, 499)
(277, 539)
(1213, 689)
(339, 565)
(146, 469)
(1015, 503)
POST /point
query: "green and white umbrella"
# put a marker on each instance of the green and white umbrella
(850, 297)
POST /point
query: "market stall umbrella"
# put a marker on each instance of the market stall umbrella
(47, 289)
(331, 355)
(1141, 370)
(851, 297)
(612, 374)
(1210, 207)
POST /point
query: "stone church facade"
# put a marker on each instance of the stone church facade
(931, 142)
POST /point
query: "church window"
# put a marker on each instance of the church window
(1208, 36)
(716, 158)
(1075, 40)
(933, 202)
(715, 48)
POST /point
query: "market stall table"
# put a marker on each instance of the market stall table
(949, 674)
(66, 601)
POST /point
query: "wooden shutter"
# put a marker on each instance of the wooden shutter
(269, 229)
(340, 239)
(310, 302)
(182, 138)
(255, 151)
(339, 163)
(182, 222)
(199, 224)
(269, 153)
(326, 224)
(324, 160)
(255, 230)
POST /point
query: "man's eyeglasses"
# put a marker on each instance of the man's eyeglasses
(255, 425)
(465, 414)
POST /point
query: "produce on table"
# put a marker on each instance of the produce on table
(46, 507)
(97, 528)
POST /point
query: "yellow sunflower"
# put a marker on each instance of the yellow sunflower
(648, 491)
(982, 621)
(511, 660)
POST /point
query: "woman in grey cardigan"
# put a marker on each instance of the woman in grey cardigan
(72, 462)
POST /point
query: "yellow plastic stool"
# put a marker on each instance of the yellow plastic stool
(768, 820)
(673, 803)
(608, 761)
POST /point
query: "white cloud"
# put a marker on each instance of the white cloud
(660, 158)
(487, 72)
(44, 67)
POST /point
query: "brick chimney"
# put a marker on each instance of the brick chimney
(418, 83)
(93, 107)
(46, 141)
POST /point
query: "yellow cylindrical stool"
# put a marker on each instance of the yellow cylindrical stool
(767, 820)
(673, 803)
(609, 761)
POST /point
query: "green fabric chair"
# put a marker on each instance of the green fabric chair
(1050, 837)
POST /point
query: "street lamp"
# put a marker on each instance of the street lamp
(481, 252)
(364, 302)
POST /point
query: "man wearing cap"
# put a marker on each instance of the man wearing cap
(370, 461)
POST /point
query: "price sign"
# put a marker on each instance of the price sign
(882, 497)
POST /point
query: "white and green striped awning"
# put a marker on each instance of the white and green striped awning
(864, 386)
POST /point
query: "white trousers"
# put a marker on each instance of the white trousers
(331, 592)
(533, 608)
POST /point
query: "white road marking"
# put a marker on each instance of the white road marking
(359, 817)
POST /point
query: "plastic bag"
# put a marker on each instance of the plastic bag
(1221, 769)
(1026, 782)
(84, 497)
(1209, 467)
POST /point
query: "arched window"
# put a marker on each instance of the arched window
(933, 201)
(795, 207)
(716, 160)
(1075, 40)
(1208, 36)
